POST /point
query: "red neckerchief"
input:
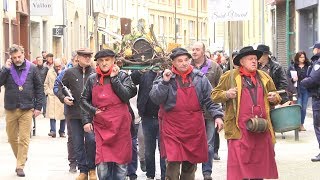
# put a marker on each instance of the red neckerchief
(183, 75)
(102, 75)
(252, 75)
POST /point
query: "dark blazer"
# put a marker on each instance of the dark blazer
(32, 89)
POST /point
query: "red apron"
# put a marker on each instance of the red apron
(111, 127)
(253, 155)
(182, 129)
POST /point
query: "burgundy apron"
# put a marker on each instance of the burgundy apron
(182, 132)
(252, 156)
(111, 127)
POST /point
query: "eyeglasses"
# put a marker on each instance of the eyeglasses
(86, 55)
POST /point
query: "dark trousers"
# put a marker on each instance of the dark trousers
(132, 167)
(316, 119)
(150, 126)
(216, 141)
(84, 146)
(71, 153)
(187, 171)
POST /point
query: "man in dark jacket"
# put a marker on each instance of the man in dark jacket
(43, 70)
(105, 98)
(83, 142)
(274, 69)
(213, 72)
(23, 84)
(148, 112)
(312, 83)
(181, 93)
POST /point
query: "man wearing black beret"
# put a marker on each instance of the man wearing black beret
(105, 97)
(181, 92)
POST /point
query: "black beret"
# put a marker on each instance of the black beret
(178, 52)
(104, 53)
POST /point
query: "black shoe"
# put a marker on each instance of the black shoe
(316, 159)
(52, 134)
(216, 156)
(62, 134)
(133, 177)
(143, 166)
(20, 173)
(207, 177)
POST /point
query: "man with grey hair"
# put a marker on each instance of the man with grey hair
(23, 84)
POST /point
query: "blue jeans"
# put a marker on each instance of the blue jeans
(210, 132)
(84, 146)
(132, 167)
(150, 126)
(53, 126)
(112, 171)
(303, 101)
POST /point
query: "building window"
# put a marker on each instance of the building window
(170, 25)
(178, 2)
(179, 27)
(204, 5)
(191, 29)
(151, 20)
(191, 4)
(203, 31)
(162, 26)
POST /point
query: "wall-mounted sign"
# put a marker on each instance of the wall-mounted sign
(57, 31)
(41, 7)
(229, 10)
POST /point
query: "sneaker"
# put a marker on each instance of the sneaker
(52, 134)
(82, 176)
(92, 174)
(216, 156)
(20, 172)
(316, 159)
(73, 169)
(150, 178)
(143, 166)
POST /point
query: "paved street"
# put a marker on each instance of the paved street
(48, 157)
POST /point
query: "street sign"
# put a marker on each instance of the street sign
(57, 31)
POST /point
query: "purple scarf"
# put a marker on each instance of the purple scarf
(23, 76)
(205, 68)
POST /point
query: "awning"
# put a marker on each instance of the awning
(105, 31)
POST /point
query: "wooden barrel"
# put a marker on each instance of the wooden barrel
(286, 118)
(257, 125)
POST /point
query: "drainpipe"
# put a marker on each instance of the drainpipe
(65, 32)
(262, 20)
(287, 32)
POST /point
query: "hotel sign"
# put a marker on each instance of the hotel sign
(229, 10)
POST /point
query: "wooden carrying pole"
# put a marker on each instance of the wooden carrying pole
(232, 80)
